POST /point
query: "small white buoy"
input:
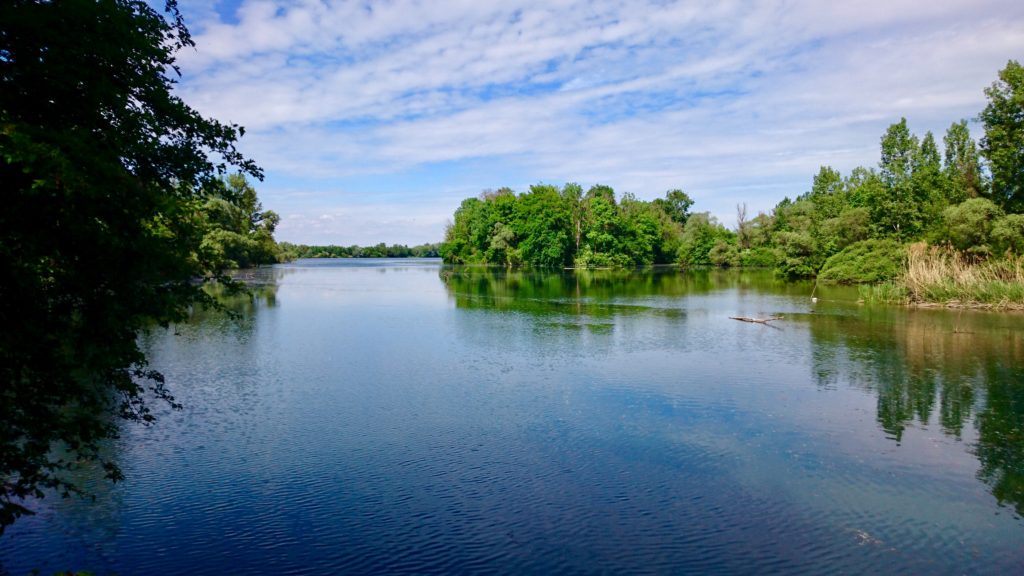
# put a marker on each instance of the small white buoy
(814, 300)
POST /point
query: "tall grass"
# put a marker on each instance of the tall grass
(889, 292)
(942, 276)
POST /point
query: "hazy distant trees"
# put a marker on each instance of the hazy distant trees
(289, 251)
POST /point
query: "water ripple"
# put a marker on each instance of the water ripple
(355, 433)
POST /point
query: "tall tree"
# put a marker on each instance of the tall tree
(104, 171)
(573, 195)
(543, 220)
(962, 168)
(897, 213)
(898, 148)
(743, 232)
(1003, 143)
(827, 193)
(676, 204)
(929, 182)
(927, 158)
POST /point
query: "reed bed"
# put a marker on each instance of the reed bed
(940, 276)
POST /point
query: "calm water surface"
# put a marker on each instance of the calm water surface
(399, 416)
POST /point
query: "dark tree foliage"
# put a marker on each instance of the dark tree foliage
(103, 171)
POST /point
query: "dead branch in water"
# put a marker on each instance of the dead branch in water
(755, 320)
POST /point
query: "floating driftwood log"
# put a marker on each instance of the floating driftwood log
(756, 320)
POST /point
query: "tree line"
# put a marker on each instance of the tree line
(289, 251)
(846, 227)
(239, 233)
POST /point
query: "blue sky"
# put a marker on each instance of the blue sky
(373, 120)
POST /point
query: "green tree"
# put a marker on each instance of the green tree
(676, 204)
(724, 252)
(463, 237)
(898, 149)
(603, 228)
(542, 222)
(829, 199)
(701, 234)
(897, 212)
(962, 168)
(502, 248)
(104, 171)
(863, 187)
(1008, 234)
(1003, 143)
(642, 238)
(551, 227)
(827, 193)
(929, 183)
(573, 195)
(968, 225)
(796, 239)
(240, 234)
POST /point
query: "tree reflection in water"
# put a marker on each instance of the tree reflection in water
(951, 368)
(966, 365)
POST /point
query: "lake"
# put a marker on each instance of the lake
(400, 416)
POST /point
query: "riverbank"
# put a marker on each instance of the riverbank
(940, 277)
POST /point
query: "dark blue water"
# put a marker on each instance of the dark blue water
(398, 417)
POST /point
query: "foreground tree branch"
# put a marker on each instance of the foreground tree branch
(104, 170)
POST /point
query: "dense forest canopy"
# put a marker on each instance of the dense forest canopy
(118, 205)
(552, 227)
(847, 228)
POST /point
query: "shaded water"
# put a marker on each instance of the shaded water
(398, 416)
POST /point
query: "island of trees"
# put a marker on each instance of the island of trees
(953, 216)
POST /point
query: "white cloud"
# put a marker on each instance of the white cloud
(732, 101)
(405, 223)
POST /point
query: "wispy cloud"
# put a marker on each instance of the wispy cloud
(383, 114)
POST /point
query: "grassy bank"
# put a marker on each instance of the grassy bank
(936, 276)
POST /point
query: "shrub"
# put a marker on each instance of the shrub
(1008, 234)
(799, 255)
(761, 257)
(724, 254)
(969, 223)
(864, 262)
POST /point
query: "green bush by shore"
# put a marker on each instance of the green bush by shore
(868, 261)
